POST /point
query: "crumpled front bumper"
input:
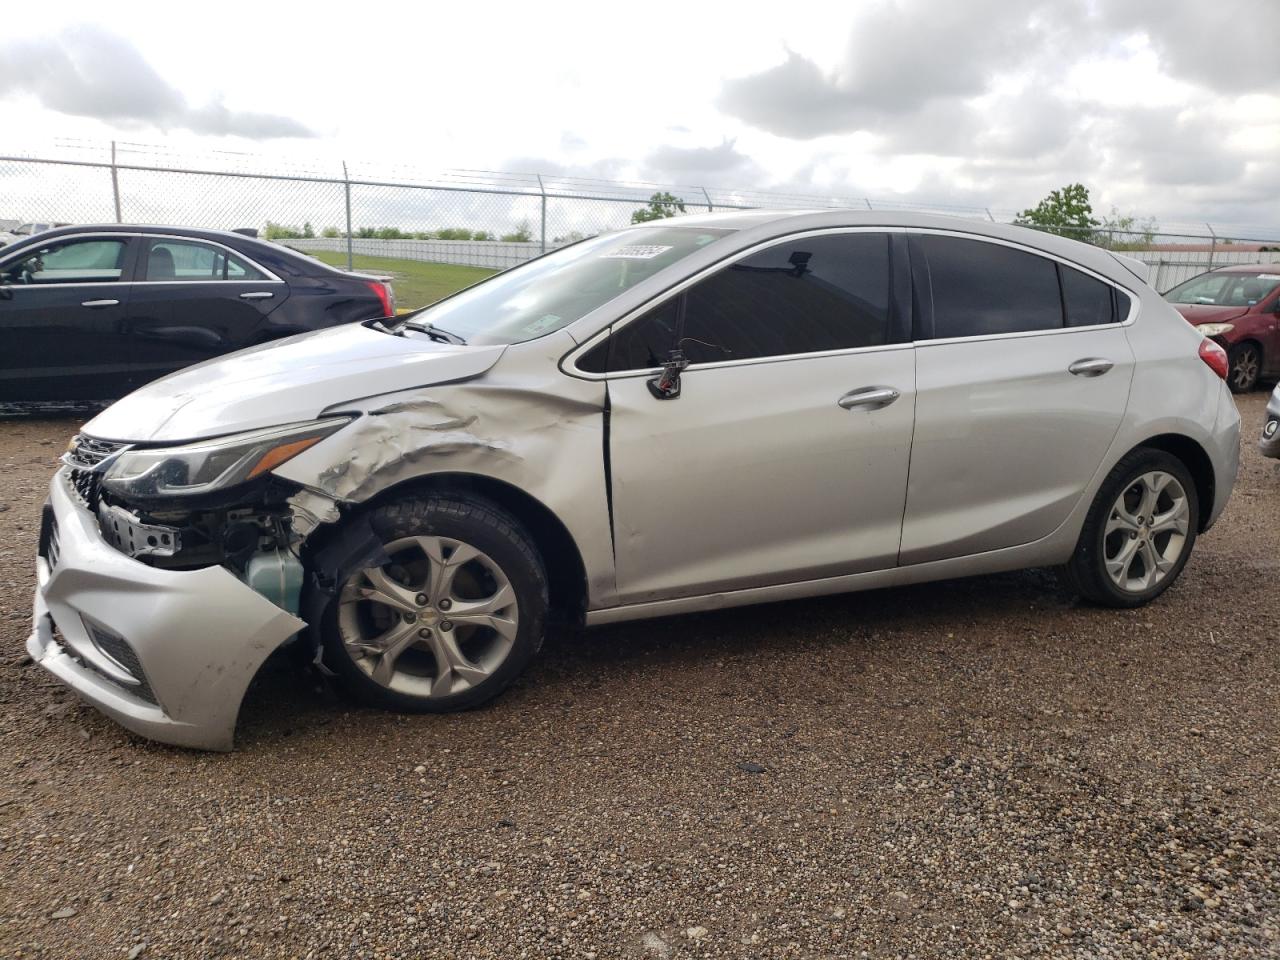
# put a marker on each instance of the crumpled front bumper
(1269, 441)
(167, 654)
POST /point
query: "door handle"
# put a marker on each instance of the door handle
(1090, 367)
(92, 304)
(869, 397)
(257, 295)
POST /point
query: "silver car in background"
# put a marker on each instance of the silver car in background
(679, 416)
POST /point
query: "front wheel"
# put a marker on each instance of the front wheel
(1245, 366)
(451, 620)
(1138, 533)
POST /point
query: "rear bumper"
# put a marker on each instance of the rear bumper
(167, 654)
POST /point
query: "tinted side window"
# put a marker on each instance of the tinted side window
(69, 261)
(804, 296)
(1123, 302)
(640, 345)
(1087, 301)
(980, 288)
(187, 260)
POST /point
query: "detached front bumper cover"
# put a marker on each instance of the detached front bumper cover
(165, 653)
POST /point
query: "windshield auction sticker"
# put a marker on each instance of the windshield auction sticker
(637, 251)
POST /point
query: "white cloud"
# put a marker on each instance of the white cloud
(1163, 107)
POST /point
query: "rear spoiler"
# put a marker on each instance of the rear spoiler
(1139, 269)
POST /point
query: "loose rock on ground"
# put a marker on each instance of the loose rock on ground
(979, 768)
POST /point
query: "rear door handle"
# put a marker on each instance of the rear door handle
(257, 295)
(1091, 367)
(92, 304)
(869, 397)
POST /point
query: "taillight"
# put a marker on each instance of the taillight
(384, 294)
(1215, 357)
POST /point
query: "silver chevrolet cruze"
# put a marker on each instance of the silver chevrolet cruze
(679, 416)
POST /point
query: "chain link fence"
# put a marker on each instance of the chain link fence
(344, 210)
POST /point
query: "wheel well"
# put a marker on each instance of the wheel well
(566, 573)
(1251, 341)
(1197, 463)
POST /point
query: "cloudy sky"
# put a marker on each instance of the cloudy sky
(1163, 108)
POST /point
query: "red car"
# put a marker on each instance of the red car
(1237, 306)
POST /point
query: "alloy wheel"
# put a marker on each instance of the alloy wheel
(1146, 532)
(1245, 368)
(437, 620)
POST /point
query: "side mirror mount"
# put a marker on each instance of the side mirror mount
(666, 386)
(6, 291)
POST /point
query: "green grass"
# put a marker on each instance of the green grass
(416, 283)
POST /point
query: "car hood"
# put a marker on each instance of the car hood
(287, 381)
(1198, 313)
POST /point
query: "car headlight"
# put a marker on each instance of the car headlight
(209, 465)
(1215, 329)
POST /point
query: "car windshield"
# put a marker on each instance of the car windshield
(1226, 289)
(551, 292)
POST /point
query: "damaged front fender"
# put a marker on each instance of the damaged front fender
(523, 423)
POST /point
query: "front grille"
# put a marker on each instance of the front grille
(48, 546)
(87, 485)
(84, 457)
(117, 649)
(89, 451)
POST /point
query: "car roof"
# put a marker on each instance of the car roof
(752, 226)
(143, 228)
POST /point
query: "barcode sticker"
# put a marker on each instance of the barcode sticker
(637, 251)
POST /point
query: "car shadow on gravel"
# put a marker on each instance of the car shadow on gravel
(287, 697)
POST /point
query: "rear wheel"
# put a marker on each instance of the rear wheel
(451, 620)
(1245, 366)
(1139, 531)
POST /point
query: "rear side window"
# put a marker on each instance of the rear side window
(808, 295)
(187, 260)
(1086, 301)
(981, 289)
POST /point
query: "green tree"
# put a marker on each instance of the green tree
(661, 205)
(330, 232)
(1124, 231)
(307, 231)
(278, 231)
(1066, 212)
(522, 234)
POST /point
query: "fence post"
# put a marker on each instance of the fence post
(989, 216)
(706, 196)
(868, 203)
(543, 190)
(115, 182)
(1213, 247)
(346, 184)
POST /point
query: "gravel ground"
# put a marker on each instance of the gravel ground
(979, 768)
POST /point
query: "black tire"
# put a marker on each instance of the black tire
(1085, 573)
(485, 526)
(1244, 367)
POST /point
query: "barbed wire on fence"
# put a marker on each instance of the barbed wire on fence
(338, 205)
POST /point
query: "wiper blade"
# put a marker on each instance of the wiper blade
(432, 331)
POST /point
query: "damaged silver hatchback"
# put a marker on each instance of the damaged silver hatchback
(680, 416)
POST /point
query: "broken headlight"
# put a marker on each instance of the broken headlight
(209, 465)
